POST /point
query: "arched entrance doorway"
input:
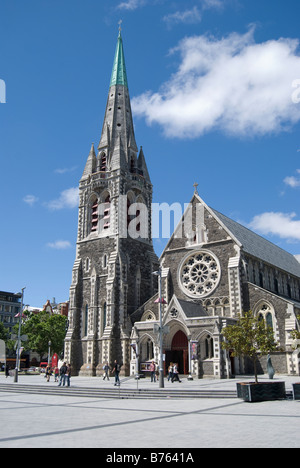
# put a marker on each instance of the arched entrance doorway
(179, 353)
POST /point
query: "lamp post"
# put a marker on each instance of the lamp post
(160, 300)
(49, 352)
(21, 295)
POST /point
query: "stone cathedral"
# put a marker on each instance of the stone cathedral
(212, 269)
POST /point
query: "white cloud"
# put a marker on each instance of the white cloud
(68, 199)
(207, 4)
(293, 181)
(187, 16)
(232, 84)
(30, 199)
(131, 4)
(65, 170)
(59, 245)
(283, 225)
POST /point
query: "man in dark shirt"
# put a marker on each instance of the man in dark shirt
(63, 371)
(116, 371)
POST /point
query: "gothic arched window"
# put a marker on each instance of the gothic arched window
(265, 313)
(103, 162)
(94, 216)
(209, 347)
(86, 319)
(104, 316)
(105, 211)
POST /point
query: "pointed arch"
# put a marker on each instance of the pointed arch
(147, 351)
(105, 211)
(93, 213)
(103, 162)
(264, 310)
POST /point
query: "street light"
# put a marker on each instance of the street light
(49, 352)
(21, 295)
(160, 301)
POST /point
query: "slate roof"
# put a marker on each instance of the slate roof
(260, 247)
(191, 309)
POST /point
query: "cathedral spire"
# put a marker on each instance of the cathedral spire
(119, 75)
(118, 139)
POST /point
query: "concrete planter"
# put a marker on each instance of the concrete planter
(262, 391)
(296, 391)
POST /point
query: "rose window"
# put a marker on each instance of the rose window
(199, 274)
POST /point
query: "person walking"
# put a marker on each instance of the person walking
(170, 371)
(116, 371)
(63, 371)
(152, 370)
(106, 369)
(48, 373)
(68, 375)
(175, 373)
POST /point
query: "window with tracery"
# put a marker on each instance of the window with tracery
(199, 274)
(265, 314)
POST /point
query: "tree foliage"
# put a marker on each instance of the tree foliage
(3, 332)
(42, 328)
(249, 337)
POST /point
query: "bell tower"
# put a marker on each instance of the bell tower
(112, 273)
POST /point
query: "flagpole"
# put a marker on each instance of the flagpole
(19, 338)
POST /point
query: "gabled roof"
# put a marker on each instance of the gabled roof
(260, 247)
(250, 242)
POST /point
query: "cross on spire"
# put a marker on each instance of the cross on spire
(120, 25)
(196, 187)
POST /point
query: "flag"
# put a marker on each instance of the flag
(18, 315)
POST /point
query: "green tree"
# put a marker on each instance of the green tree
(42, 328)
(249, 337)
(3, 332)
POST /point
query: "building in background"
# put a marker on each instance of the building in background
(10, 305)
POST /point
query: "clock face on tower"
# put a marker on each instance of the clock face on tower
(199, 274)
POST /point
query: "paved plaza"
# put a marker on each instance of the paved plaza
(37, 420)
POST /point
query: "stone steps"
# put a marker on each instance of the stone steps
(116, 392)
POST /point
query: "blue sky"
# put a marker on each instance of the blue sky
(215, 89)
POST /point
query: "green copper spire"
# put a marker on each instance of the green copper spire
(119, 76)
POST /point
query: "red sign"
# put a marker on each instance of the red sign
(54, 360)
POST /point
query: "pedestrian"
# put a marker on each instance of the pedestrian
(68, 374)
(152, 370)
(48, 373)
(56, 374)
(116, 371)
(170, 371)
(175, 373)
(7, 371)
(62, 372)
(106, 369)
